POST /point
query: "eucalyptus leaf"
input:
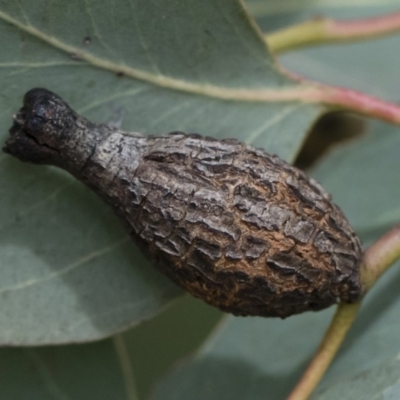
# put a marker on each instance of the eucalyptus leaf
(79, 372)
(371, 165)
(247, 358)
(68, 272)
(276, 15)
(368, 66)
(381, 382)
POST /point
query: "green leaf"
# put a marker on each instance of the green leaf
(381, 382)
(66, 265)
(123, 368)
(79, 372)
(68, 272)
(275, 15)
(371, 165)
(368, 66)
(174, 334)
(247, 358)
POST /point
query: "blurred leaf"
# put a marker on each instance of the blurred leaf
(352, 65)
(66, 265)
(364, 178)
(369, 66)
(332, 130)
(247, 358)
(68, 272)
(79, 372)
(114, 369)
(381, 382)
(175, 333)
(278, 14)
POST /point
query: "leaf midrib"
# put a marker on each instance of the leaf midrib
(295, 92)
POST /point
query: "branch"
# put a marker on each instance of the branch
(351, 100)
(321, 31)
(334, 336)
(380, 256)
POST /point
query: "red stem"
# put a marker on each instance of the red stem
(358, 102)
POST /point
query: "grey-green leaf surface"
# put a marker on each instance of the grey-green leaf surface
(368, 66)
(68, 272)
(79, 372)
(121, 368)
(371, 165)
(247, 358)
(278, 14)
(381, 382)
(258, 359)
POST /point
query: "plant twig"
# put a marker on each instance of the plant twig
(377, 259)
(334, 336)
(350, 100)
(319, 31)
(380, 256)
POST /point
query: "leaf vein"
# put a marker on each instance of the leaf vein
(48, 379)
(23, 13)
(290, 92)
(143, 43)
(97, 32)
(119, 95)
(271, 122)
(168, 113)
(126, 366)
(69, 268)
